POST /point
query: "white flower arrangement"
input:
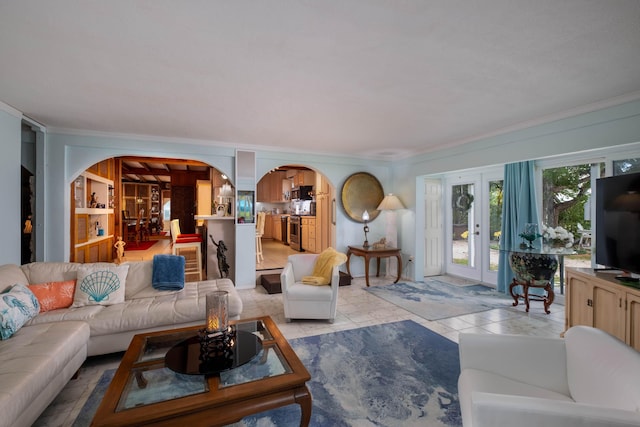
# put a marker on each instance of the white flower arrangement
(557, 237)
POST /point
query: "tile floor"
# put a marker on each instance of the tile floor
(356, 308)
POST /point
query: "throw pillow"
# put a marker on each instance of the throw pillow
(17, 306)
(323, 267)
(54, 295)
(100, 285)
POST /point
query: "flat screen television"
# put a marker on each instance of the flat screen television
(617, 231)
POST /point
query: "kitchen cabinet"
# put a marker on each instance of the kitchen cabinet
(309, 233)
(277, 227)
(92, 216)
(268, 227)
(203, 197)
(598, 300)
(304, 178)
(270, 188)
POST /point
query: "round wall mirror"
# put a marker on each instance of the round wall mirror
(361, 191)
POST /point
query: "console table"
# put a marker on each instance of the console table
(370, 252)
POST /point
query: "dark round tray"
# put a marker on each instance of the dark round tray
(184, 357)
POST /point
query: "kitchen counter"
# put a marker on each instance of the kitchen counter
(214, 217)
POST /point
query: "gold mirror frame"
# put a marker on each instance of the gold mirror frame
(361, 191)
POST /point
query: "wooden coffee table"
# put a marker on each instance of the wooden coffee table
(144, 391)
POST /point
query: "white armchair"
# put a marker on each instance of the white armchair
(302, 301)
(589, 378)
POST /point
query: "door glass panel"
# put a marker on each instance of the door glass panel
(621, 167)
(566, 207)
(495, 223)
(463, 232)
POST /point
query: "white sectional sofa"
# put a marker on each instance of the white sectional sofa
(42, 356)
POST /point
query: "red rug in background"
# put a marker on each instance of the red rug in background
(141, 246)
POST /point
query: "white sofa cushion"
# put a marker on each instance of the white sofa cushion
(11, 274)
(32, 360)
(602, 370)
(304, 292)
(497, 410)
(42, 272)
(138, 277)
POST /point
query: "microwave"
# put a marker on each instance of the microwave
(302, 193)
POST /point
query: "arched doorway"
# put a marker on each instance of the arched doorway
(107, 196)
(296, 201)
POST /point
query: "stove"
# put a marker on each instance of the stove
(295, 232)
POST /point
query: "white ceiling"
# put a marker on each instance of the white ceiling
(374, 78)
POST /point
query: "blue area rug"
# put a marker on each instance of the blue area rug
(386, 375)
(435, 300)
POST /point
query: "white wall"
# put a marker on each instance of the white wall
(10, 125)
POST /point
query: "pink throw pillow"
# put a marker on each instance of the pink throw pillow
(54, 295)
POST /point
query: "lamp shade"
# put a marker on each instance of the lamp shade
(390, 203)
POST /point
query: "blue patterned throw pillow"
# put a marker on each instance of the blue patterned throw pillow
(17, 306)
(100, 285)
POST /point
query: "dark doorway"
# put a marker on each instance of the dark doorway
(27, 216)
(183, 200)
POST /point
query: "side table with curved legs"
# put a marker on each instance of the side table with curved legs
(370, 252)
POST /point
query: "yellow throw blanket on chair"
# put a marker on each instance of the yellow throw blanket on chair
(323, 268)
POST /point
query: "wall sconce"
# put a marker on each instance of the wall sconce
(365, 218)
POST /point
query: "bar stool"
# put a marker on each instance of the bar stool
(259, 234)
(191, 242)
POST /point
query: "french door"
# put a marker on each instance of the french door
(473, 206)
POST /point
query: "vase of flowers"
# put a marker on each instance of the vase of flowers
(557, 238)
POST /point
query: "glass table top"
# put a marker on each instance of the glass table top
(151, 381)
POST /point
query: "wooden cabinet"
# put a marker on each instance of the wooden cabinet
(270, 188)
(146, 197)
(92, 216)
(304, 178)
(309, 234)
(598, 300)
(277, 227)
(632, 326)
(268, 227)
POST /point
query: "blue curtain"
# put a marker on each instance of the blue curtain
(518, 209)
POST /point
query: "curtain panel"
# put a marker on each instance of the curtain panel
(518, 209)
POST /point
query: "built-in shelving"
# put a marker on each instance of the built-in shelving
(92, 218)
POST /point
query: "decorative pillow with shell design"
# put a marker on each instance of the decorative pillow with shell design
(100, 285)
